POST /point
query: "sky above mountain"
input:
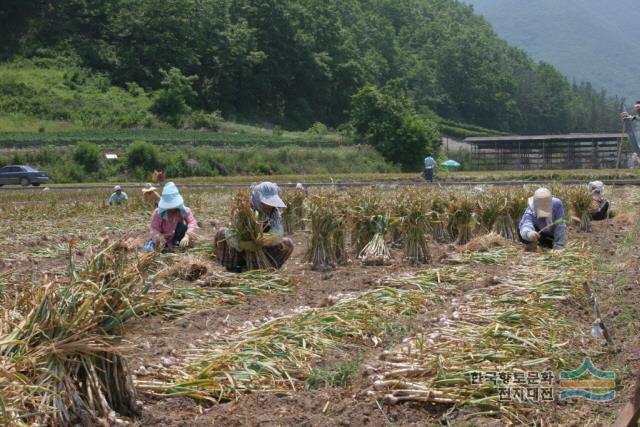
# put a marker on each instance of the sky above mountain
(587, 40)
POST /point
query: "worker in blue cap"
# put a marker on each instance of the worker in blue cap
(172, 225)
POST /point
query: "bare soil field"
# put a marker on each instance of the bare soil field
(440, 318)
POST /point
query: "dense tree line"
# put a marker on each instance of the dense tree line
(296, 62)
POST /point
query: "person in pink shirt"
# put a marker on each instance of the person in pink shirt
(172, 223)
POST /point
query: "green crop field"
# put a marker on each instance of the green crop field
(164, 136)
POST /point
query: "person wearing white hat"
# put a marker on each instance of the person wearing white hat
(266, 201)
(172, 223)
(301, 187)
(543, 221)
(118, 197)
(599, 208)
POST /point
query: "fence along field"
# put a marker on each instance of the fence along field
(63, 360)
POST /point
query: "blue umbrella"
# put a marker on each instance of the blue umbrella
(450, 164)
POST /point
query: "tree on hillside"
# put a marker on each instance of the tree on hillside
(87, 155)
(150, 35)
(292, 63)
(391, 125)
(142, 158)
(171, 101)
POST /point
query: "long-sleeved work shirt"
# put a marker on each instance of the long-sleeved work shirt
(116, 198)
(530, 222)
(164, 224)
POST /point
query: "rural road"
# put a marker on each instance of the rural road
(390, 183)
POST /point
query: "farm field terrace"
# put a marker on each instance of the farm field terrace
(390, 304)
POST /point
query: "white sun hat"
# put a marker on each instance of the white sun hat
(543, 202)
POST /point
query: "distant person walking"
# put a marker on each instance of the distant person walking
(429, 167)
(634, 161)
(118, 197)
(633, 131)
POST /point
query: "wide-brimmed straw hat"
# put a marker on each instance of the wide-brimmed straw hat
(171, 198)
(147, 188)
(543, 203)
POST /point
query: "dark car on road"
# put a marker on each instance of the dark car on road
(23, 175)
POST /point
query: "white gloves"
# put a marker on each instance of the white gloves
(626, 116)
(533, 236)
(184, 243)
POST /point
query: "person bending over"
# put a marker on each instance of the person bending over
(118, 197)
(543, 221)
(172, 223)
(599, 209)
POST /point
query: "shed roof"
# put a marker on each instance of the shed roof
(572, 137)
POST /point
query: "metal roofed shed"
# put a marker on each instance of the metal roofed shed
(571, 151)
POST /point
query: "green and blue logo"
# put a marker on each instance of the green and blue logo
(588, 382)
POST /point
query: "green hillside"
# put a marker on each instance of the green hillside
(370, 84)
(53, 95)
(293, 63)
(588, 40)
(167, 137)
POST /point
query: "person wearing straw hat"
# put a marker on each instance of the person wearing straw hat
(599, 208)
(266, 202)
(150, 195)
(543, 222)
(118, 197)
(172, 223)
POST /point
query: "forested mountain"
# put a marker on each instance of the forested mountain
(296, 62)
(590, 40)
